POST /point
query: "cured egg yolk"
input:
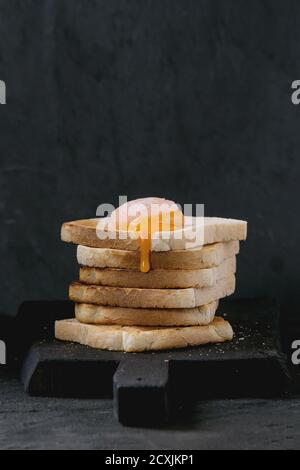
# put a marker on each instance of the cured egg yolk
(146, 217)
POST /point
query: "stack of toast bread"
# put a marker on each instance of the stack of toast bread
(173, 305)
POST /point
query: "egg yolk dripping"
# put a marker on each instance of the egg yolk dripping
(156, 216)
(146, 227)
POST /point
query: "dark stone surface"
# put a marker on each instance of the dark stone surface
(42, 423)
(190, 100)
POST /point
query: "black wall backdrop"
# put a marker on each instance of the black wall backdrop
(187, 99)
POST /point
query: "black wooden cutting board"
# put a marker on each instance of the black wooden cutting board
(147, 387)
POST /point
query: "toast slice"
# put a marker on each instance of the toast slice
(158, 278)
(151, 298)
(204, 257)
(103, 315)
(138, 339)
(94, 233)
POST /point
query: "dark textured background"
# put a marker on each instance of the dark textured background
(185, 99)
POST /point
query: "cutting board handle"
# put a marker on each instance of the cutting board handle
(141, 391)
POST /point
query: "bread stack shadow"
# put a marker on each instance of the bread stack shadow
(174, 305)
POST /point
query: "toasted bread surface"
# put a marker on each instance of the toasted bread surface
(139, 339)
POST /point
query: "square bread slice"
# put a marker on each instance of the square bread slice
(93, 233)
(138, 339)
(151, 298)
(158, 278)
(207, 256)
(104, 315)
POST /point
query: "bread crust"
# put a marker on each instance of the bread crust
(151, 298)
(105, 315)
(205, 257)
(139, 339)
(158, 278)
(85, 232)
